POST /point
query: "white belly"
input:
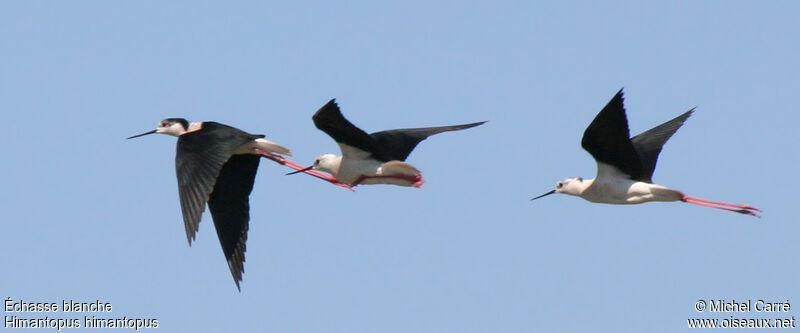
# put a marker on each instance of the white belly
(351, 169)
(626, 191)
(377, 172)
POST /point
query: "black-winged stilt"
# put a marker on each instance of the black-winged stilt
(216, 163)
(376, 158)
(625, 165)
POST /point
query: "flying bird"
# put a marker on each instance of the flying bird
(625, 165)
(376, 158)
(216, 164)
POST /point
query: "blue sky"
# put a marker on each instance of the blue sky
(88, 215)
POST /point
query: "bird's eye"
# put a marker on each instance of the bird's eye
(163, 124)
(316, 162)
(560, 185)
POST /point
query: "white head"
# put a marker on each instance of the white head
(327, 162)
(170, 126)
(571, 186)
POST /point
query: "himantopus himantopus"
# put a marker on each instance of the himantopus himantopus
(376, 158)
(625, 165)
(216, 163)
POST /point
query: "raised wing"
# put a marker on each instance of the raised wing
(397, 144)
(648, 144)
(330, 120)
(229, 204)
(198, 161)
(608, 139)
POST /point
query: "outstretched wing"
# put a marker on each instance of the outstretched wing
(648, 144)
(397, 144)
(198, 161)
(330, 120)
(229, 204)
(608, 139)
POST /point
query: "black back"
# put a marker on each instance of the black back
(384, 146)
(608, 140)
(229, 204)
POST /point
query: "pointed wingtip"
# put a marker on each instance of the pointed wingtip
(619, 98)
(327, 110)
(237, 270)
(331, 103)
(620, 95)
(683, 117)
(465, 126)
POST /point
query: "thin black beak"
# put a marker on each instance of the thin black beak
(143, 134)
(301, 170)
(543, 195)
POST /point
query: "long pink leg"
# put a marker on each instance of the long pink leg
(685, 197)
(296, 166)
(416, 180)
(742, 209)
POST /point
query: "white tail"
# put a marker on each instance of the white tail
(272, 147)
(398, 168)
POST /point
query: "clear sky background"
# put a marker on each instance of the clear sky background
(88, 215)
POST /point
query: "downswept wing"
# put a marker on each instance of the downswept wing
(229, 204)
(397, 144)
(198, 161)
(648, 144)
(607, 139)
(330, 120)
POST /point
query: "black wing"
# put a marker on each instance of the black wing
(648, 144)
(608, 139)
(397, 144)
(229, 204)
(198, 161)
(330, 120)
